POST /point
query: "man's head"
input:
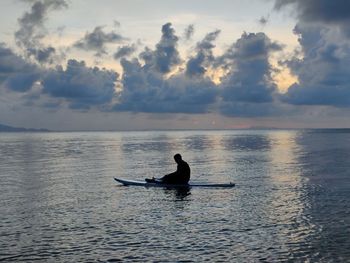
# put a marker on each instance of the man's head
(177, 158)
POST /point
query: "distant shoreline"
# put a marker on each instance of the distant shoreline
(6, 128)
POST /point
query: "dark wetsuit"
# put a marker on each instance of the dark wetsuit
(181, 176)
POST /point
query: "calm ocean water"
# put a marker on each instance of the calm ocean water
(59, 202)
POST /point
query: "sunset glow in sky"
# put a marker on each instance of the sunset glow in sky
(134, 65)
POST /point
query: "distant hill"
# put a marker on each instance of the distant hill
(5, 128)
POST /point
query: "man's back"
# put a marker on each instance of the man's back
(181, 176)
(183, 172)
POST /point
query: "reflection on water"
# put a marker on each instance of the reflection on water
(324, 160)
(59, 202)
(247, 142)
(180, 194)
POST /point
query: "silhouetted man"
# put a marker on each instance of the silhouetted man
(180, 176)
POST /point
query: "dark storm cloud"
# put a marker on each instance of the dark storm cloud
(16, 73)
(124, 51)
(250, 78)
(145, 90)
(207, 42)
(329, 13)
(189, 31)
(32, 29)
(97, 40)
(165, 56)
(325, 11)
(338, 96)
(157, 81)
(247, 88)
(22, 82)
(44, 54)
(324, 68)
(196, 66)
(80, 85)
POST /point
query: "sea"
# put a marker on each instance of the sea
(291, 203)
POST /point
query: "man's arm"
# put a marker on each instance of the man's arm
(169, 177)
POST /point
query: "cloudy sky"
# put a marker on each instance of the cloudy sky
(136, 64)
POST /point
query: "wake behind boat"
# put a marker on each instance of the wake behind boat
(127, 182)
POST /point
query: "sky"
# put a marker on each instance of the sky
(140, 65)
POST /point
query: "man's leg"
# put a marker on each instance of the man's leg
(153, 180)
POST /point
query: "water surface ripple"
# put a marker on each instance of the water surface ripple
(59, 202)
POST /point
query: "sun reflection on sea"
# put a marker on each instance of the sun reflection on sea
(288, 197)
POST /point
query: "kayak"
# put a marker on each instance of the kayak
(155, 184)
